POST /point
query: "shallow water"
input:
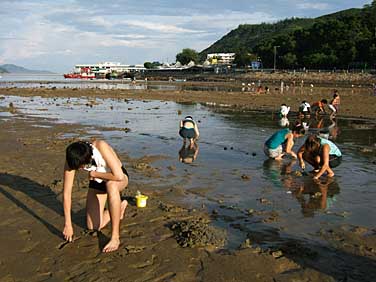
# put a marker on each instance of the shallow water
(231, 174)
(113, 85)
(57, 81)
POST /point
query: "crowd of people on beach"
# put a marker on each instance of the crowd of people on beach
(319, 149)
(108, 177)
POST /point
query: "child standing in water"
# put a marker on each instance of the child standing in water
(189, 130)
(284, 110)
(108, 178)
(321, 153)
(334, 103)
(305, 108)
(282, 141)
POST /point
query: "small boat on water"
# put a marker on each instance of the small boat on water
(81, 73)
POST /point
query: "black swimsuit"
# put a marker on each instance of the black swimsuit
(334, 160)
(102, 186)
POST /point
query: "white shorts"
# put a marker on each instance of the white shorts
(273, 153)
(332, 108)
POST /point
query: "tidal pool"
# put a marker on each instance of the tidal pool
(231, 177)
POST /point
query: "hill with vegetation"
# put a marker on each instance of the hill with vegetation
(3, 70)
(346, 40)
(10, 68)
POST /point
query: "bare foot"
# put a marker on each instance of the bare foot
(330, 174)
(123, 206)
(111, 246)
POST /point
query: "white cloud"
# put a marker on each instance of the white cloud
(313, 6)
(230, 19)
(67, 31)
(159, 24)
(88, 39)
(164, 28)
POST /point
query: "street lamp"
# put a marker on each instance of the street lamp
(275, 57)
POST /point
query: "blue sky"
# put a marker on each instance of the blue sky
(56, 35)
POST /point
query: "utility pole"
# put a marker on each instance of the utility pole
(275, 57)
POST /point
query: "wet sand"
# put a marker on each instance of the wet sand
(356, 101)
(166, 241)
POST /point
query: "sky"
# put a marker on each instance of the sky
(55, 35)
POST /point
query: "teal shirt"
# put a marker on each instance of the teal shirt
(278, 138)
(333, 147)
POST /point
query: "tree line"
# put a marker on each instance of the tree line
(345, 40)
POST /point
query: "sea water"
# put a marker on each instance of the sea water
(231, 177)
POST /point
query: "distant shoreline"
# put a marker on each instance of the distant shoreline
(355, 102)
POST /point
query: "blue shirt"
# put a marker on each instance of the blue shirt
(334, 150)
(278, 138)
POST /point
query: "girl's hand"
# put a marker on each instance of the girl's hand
(302, 165)
(68, 233)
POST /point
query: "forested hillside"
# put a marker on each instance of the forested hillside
(345, 39)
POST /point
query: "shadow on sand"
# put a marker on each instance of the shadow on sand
(41, 194)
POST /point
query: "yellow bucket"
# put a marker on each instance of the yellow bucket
(141, 201)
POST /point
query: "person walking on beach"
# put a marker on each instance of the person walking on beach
(282, 141)
(107, 177)
(320, 153)
(189, 130)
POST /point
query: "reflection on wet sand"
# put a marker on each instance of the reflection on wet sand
(188, 152)
(316, 195)
(312, 194)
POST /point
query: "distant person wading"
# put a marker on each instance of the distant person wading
(189, 130)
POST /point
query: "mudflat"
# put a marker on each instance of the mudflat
(357, 99)
(166, 241)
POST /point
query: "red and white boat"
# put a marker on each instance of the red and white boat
(81, 73)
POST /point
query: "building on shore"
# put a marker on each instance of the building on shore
(103, 70)
(109, 67)
(220, 58)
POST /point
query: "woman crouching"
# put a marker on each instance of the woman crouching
(107, 179)
(282, 141)
(320, 153)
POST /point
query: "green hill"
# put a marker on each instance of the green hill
(346, 39)
(10, 68)
(249, 35)
(3, 70)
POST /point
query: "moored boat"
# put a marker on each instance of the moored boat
(80, 73)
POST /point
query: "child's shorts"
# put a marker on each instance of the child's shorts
(333, 108)
(187, 133)
(273, 153)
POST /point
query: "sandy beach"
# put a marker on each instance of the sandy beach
(167, 240)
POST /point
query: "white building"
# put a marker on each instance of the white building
(220, 58)
(107, 67)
